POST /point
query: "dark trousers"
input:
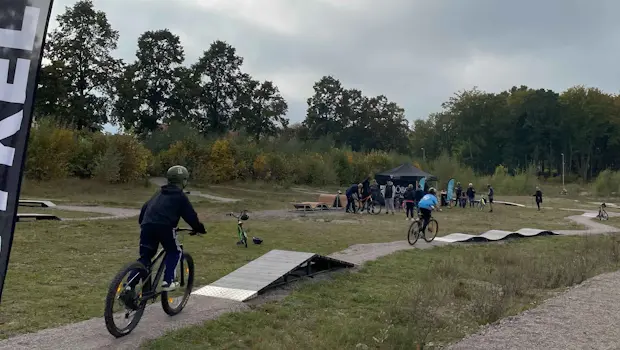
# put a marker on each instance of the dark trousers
(151, 236)
(350, 203)
(426, 217)
(409, 206)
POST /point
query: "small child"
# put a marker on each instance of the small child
(158, 219)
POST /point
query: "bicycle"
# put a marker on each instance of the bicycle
(134, 299)
(602, 213)
(415, 229)
(243, 236)
(369, 204)
(398, 202)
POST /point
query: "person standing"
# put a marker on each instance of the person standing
(538, 197)
(389, 197)
(490, 195)
(458, 192)
(351, 194)
(419, 193)
(471, 194)
(409, 198)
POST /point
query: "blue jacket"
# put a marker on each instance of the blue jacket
(428, 201)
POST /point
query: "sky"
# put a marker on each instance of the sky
(417, 53)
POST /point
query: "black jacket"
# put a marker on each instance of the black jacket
(389, 191)
(167, 207)
(409, 194)
(419, 193)
(471, 193)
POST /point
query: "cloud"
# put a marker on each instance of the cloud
(417, 53)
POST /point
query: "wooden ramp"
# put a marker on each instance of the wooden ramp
(311, 206)
(36, 217)
(275, 268)
(35, 203)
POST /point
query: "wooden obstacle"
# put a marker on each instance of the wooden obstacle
(331, 200)
(36, 217)
(310, 206)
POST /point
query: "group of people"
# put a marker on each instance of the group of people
(469, 195)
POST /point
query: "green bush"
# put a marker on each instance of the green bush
(49, 151)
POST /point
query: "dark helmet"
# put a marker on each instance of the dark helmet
(432, 190)
(177, 175)
(257, 240)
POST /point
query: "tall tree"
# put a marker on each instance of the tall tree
(322, 116)
(154, 78)
(80, 51)
(260, 108)
(218, 71)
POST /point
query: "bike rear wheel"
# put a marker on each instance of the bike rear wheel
(186, 276)
(431, 230)
(414, 232)
(129, 300)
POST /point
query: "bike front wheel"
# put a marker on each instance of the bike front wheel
(125, 291)
(173, 302)
(431, 230)
(375, 208)
(414, 232)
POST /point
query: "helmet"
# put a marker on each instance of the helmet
(177, 175)
(257, 240)
(432, 190)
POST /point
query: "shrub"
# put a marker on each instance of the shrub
(221, 162)
(89, 147)
(49, 152)
(125, 160)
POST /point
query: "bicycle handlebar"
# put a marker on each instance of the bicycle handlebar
(191, 231)
(244, 211)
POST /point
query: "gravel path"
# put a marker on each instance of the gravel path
(113, 213)
(587, 317)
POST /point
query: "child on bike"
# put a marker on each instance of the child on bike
(158, 219)
(427, 204)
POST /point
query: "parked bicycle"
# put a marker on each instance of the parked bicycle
(372, 206)
(134, 286)
(415, 230)
(602, 213)
(241, 233)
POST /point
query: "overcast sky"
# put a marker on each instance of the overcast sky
(417, 53)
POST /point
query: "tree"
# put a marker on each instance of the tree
(80, 51)
(322, 116)
(218, 72)
(147, 86)
(260, 108)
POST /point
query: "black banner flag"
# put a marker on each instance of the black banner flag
(23, 26)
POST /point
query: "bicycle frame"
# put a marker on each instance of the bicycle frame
(151, 284)
(239, 223)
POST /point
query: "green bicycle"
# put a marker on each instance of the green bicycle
(241, 233)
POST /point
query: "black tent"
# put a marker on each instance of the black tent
(403, 175)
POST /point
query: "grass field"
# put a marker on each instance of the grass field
(434, 296)
(71, 263)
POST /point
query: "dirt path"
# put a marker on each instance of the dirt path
(592, 308)
(585, 317)
(160, 181)
(113, 213)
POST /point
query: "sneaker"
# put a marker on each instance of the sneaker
(239, 242)
(169, 286)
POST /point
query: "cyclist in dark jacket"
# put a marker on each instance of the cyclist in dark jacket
(158, 219)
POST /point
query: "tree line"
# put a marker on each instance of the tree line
(82, 85)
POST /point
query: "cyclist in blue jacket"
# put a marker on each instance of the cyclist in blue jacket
(427, 204)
